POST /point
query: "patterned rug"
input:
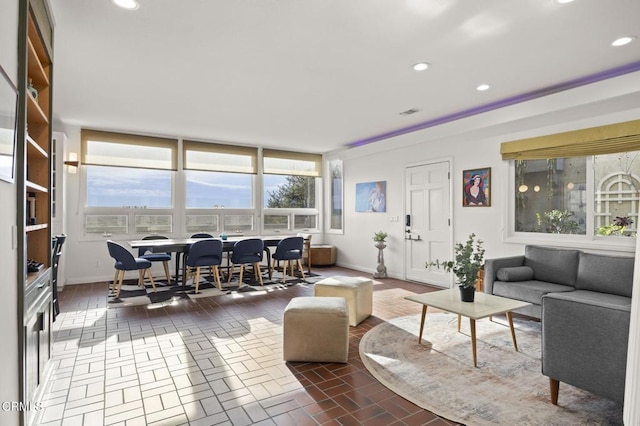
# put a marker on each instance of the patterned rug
(132, 295)
(507, 388)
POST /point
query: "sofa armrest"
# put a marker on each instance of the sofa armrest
(491, 267)
(584, 343)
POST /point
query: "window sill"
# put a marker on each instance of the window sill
(606, 245)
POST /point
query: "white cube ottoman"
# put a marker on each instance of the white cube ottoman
(358, 291)
(316, 329)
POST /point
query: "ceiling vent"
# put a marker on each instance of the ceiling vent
(409, 111)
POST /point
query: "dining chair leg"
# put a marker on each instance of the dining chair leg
(119, 286)
(166, 271)
(216, 274)
(240, 279)
(115, 280)
(299, 262)
(257, 268)
(197, 278)
(140, 277)
(231, 272)
(153, 284)
(284, 271)
(273, 267)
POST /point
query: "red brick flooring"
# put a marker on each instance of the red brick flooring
(213, 361)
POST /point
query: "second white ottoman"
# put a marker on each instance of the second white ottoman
(358, 291)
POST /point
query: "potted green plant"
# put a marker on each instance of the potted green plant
(380, 237)
(469, 259)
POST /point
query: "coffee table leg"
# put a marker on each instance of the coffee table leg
(513, 332)
(472, 324)
(424, 314)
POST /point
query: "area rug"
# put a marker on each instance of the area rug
(132, 295)
(507, 388)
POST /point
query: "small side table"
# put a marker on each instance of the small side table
(323, 255)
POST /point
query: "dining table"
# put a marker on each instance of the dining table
(180, 247)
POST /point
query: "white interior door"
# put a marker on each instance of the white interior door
(427, 221)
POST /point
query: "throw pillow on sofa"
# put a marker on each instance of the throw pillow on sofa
(515, 273)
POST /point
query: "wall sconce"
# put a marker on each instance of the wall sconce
(72, 163)
(523, 188)
(536, 188)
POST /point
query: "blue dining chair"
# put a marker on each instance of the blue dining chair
(204, 253)
(148, 254)
(288, 250)
(201, 235)
(126, 262)
(249, 251)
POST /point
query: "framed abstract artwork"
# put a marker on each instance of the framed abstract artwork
(476, 187)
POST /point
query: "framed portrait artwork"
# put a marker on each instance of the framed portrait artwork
(371, 197)
(476, 187)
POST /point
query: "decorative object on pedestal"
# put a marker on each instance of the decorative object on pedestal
(380, 238)
(469, 258)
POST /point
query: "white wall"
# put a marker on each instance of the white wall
(470, 143)
(9, 363)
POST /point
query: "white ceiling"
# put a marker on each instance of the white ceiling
(318, 75)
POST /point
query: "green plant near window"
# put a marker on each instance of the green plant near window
(617, 227)
(469, 258)
(380, 236)
(557, 222)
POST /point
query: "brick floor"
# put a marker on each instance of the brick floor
(213, 361)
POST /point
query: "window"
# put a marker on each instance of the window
(290, 190)
(213, 190)
(106, 224)
(593, 196)
(219, 176)
(129, 188)
(153, 224)
(335, 184)
(220, 180)
(617, 193)
(551, 195)
(128, 170)
(202, 224)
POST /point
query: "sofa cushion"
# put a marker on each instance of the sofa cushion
(594, 298)
(606, 274)
(559, 266)
(528, 291)
(516, 273)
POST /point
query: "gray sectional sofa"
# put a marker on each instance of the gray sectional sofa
(583, 301)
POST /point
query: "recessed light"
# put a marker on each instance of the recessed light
(421, 66)
(564, 1)
(409, 111)
(623, 40)
(483, 87)
(126, 4)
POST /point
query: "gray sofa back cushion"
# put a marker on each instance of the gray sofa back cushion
(553, 265)
(606, 274)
